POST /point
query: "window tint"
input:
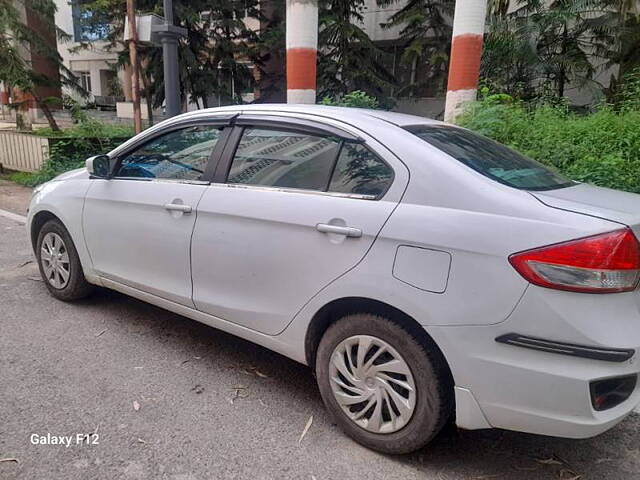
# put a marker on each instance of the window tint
(490, 158)
(359, 171)
(181, 155)
(283, 159)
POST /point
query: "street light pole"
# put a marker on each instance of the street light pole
(169, 36)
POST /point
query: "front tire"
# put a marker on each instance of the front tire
(59, 263)
(385, 388)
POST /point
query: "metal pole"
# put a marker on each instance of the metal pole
(170, 64)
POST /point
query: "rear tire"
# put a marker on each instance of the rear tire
(59, 263)
(406, 420)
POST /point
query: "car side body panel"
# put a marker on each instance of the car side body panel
(64, 197)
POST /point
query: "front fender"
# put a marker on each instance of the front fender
(65, 201)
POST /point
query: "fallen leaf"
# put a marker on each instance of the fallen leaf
(9, 460)
(260, 374)
(25, 263)
(548, 461)
(136, 405)
(35, 279)
(306, 429)
(237, 394)
(566, 474)
(142, 441)
(98, 334)
(526, 469)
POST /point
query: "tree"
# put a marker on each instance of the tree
(268, 53)
(22, 47)
(347, 58)
(618, 32)
(210, 58)
(426, 40)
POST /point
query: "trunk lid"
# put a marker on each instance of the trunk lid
(614, 205)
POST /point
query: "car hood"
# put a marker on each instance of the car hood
(621, 207)
(77, 174)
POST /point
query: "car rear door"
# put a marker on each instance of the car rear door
(138, 224)
(293, 206)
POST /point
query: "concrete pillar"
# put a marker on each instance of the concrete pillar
(302, 47)
(466, 52)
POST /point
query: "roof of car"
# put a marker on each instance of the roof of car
(346, 113)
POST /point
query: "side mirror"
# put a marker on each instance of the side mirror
(99, 166)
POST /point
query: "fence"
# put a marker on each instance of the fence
(23, 152)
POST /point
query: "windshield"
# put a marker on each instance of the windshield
(490, 158)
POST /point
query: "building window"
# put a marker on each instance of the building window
(85, 80)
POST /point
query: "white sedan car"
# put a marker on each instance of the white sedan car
(424, 272)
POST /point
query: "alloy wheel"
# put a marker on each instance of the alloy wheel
(54, 258)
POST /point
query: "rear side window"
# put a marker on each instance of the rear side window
(359, 171)
(490, 158)
(289, 159)
(283, 159)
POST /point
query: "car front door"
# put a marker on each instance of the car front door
(290, 210)
(138, 224)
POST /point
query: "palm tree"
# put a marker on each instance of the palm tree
(347, 58)
(426, 39)
(545, 46)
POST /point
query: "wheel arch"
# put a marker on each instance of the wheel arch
(39, 219)
(338, 308)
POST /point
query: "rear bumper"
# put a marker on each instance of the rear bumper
(537, 391)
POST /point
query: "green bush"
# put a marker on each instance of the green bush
(602, 148)
(355, 99)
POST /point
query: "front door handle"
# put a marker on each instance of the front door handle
(348, 231)
(178, 207)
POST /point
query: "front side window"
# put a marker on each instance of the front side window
(177, 155)
(490, 158)
(286, 159)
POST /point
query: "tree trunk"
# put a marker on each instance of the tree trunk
(47, 113)
(23, 121)
(133, 59)
(148, 98)
(562, 73)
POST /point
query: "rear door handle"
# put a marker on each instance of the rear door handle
(177, 207)
(348, 231)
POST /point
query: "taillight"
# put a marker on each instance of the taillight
(604, 263)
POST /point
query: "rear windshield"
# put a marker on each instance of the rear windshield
(490, 158)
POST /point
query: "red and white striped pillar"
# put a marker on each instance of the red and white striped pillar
(302, 48)
(466, 51)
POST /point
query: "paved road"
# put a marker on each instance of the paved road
(210, 405)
